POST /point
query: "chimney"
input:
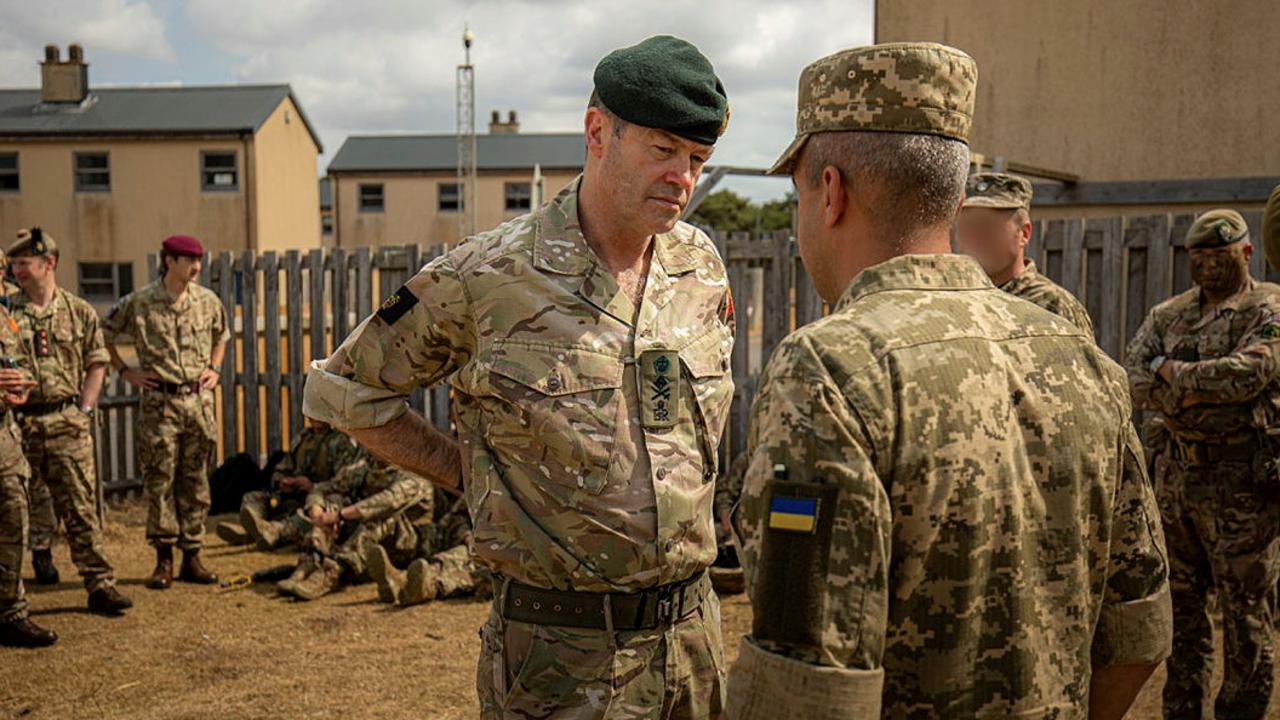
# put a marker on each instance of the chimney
(498, 127)
(64, 82)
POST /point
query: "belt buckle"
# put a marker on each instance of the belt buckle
(666, 611)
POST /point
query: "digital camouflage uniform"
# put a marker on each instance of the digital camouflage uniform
(567, 486)
(1218, 490)
(945, 513)
(13, 489)
(63, 341)
(317, 454)
(177, 430)
(395, 512)
(1033, 287)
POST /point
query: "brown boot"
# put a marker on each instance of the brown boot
(388, 578)
(326, 578)
(162, 577)
(421, 585)
(46, 571)
(108, 601)
(194, 571)
(26, 634)
(307, 564)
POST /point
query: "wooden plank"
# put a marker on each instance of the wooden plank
(1109, 321)
(364, 284)
(412, 259)
(1136, 233)
(1257, 263)
(808, 302)
(315, 280)
(1181, 263)
(271, 348)
(338, 301)
(1228, 191)
(777, 293)
(226, 292)
(1073, 257)
(249, 344)
(739, 415)
(1034, 251)
(293, 320)
(1053, 242)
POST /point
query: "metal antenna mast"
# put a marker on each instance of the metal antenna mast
(466, 92)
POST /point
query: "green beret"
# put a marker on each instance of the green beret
(997, 190)
(33, 243)
(667, 84)
(1271, 229)
(1217, 228)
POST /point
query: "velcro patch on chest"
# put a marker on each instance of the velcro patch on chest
(397, 304)
(659, 388)
(793, 514)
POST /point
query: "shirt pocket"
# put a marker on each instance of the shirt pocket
(553, 410)
(706, 360)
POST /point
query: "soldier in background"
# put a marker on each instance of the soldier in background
(63, 340)
(179, 330)
(994, 227)
(945, 512)
(1207, 362)
(442, 569)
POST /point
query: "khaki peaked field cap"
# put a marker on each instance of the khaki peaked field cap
(1001, 191)
(922, 88)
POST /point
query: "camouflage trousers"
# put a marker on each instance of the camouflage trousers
(538, 671)
(398, 534)
(59, 448)
(176, 444)
(1222, 527)
(294, 529)
(43, 518)
(13, 539)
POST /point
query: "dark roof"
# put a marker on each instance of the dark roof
(326, 194)
(364, 153)
(149, 110)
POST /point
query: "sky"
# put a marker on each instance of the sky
(389, 66)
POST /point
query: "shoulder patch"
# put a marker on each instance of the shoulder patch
(394, 307)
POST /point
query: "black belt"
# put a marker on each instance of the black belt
(38, 409)
(191, 388)
(1206, 453)
(645, 610)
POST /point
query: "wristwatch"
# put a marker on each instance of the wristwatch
(87, 410)
(1157, 362)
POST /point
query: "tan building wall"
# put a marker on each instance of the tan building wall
(410, 213)
(1141, 89)
(284, 182)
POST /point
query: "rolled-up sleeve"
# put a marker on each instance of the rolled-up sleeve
(1135, 625)
(420, 335)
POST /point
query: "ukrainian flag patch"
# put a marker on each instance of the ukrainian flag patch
(793, 514)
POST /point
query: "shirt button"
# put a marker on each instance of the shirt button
(671, 545)
(662, 473)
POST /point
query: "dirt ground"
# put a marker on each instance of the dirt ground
(197, 652)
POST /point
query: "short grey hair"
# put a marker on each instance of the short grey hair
(917, 180)
(618, 123)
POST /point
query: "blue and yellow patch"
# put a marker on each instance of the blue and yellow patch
(793, 514)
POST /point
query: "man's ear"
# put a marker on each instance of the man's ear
(595, 126)
(1248, 251)
(835, 200)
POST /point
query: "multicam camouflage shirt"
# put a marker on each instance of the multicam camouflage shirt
(1033, 287)
(377, 490)
(588, 427)
(63, 340)
(317, 454)
(946, 512)
(175, 339)
(12, 459)
(1227, 365)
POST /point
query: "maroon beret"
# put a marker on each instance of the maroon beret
(184, 245)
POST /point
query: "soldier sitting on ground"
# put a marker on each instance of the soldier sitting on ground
(270, 517)
(434, 574)
(367, 501)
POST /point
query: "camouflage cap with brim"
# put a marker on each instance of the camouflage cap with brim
(1271, 229)
(1001, 191)
(1217, 228)
(920, 88)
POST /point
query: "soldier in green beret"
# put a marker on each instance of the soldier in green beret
(587, 345)
(993, 228)
(944, 512)
(1208, 364)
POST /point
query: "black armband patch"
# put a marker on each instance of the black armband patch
(795, 550)
(400, 302)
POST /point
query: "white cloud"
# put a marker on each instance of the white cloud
(128, 27)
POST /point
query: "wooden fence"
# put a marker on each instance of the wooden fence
(289, 308)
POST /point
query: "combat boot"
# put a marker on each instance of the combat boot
(162, 577)
(264, 531)
(307, 564)
(387, 576)
(25, 634)
(46, 571)
(108, 601)
(194, 571)
(421, 585)
(233, 534)
(326, 578)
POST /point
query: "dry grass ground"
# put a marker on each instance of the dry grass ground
(195, 652)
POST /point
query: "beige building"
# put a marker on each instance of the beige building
(111, 172)
(1119, 94)
(403, 189)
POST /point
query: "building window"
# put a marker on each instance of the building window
(8, 172)
(449, 199)
(93, 172)
(517, 195)
(105, 282)
(218, 172)
(371, 198)
(326, 224)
